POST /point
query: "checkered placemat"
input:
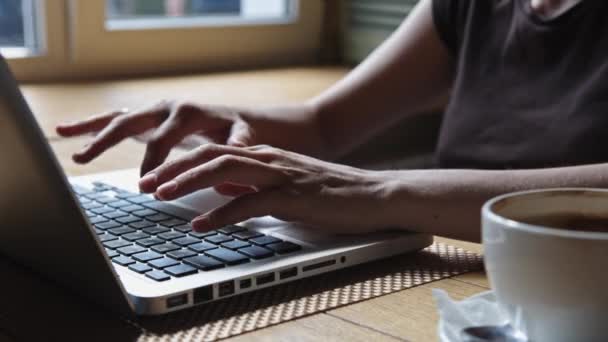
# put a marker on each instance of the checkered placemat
(260, 309)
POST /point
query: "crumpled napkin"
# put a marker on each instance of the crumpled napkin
(454, 316)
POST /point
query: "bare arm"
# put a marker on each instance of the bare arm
(448, 202)
(409, 74)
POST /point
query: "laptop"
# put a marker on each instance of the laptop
(134, 255)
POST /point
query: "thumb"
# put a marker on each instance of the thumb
(241, 135)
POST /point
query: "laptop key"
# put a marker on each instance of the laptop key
(163, 263)
(107, 237)
(184, 228)
(92, 205)
(114, 244)
(95, 195)
(128, 219)
(130, 250)
(142, 225)
(150, 242)
(172, 223)
(201, 235)
(107, 225)
(201, 247)
(90, 214)
(265, 240)
(131, 208)
(204, 263)
(256, 252)
(158, 275)
(126, 194)
(121, 230)
(84, 200)
(156, 230)
(171, 235)
(111, 253)
(218, 239)
(146, 256)
(180, 270)
(164, 248)
(105, 199)
(80, 190)
(139, 199)
(119, 204)
(101, 210)
(123, 260)
(235, 244)
(228, 230)
(227, 256)
(115, 214)
(144, 212)
(186, 241)
(284, 247)
(158, 217)
(99, 231)
(98, 219)
(247, 234)
(181, 254)
(135, 236)
(140, 268)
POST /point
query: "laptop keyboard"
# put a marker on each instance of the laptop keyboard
(149, 237)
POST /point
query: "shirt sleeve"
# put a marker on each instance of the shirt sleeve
(449, 17)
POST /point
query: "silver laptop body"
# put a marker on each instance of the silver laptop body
(44, 226)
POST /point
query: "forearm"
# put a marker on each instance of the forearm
(448, 202)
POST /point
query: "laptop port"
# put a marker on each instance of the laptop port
(288, 273)
(203, 294)
(265, 279)
(178, 300)
(245, 283)
(226, 288)
(318, 265)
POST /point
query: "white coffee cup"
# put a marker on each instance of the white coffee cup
(552, 282)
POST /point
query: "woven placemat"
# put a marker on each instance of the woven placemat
(260, 309)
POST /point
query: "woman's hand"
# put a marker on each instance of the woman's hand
(268, 181)
(170, 122)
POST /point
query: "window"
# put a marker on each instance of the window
(19, 34)
(137, 14)
(104, 38)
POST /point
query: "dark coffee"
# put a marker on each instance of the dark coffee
(569, 221)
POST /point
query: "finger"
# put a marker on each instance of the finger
(167, 136)
(240, 135)
(119, 129)
(192, 159)
(227, 168)
(89, 125)
(240, 209)
(233, 190)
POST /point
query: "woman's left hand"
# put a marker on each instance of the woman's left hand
(268, 181)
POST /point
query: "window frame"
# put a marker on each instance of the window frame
(78, 44)
(51, 52)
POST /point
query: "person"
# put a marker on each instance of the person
(526, 82)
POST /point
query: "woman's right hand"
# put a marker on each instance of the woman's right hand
(169, 123)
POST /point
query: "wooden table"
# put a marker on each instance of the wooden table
(408, 315)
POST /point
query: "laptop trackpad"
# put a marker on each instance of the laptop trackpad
(308, 234)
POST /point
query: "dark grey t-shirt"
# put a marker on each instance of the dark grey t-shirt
(527, 93)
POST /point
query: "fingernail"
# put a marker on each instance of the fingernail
(201, 223)
(148, 181)
(166, 189)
